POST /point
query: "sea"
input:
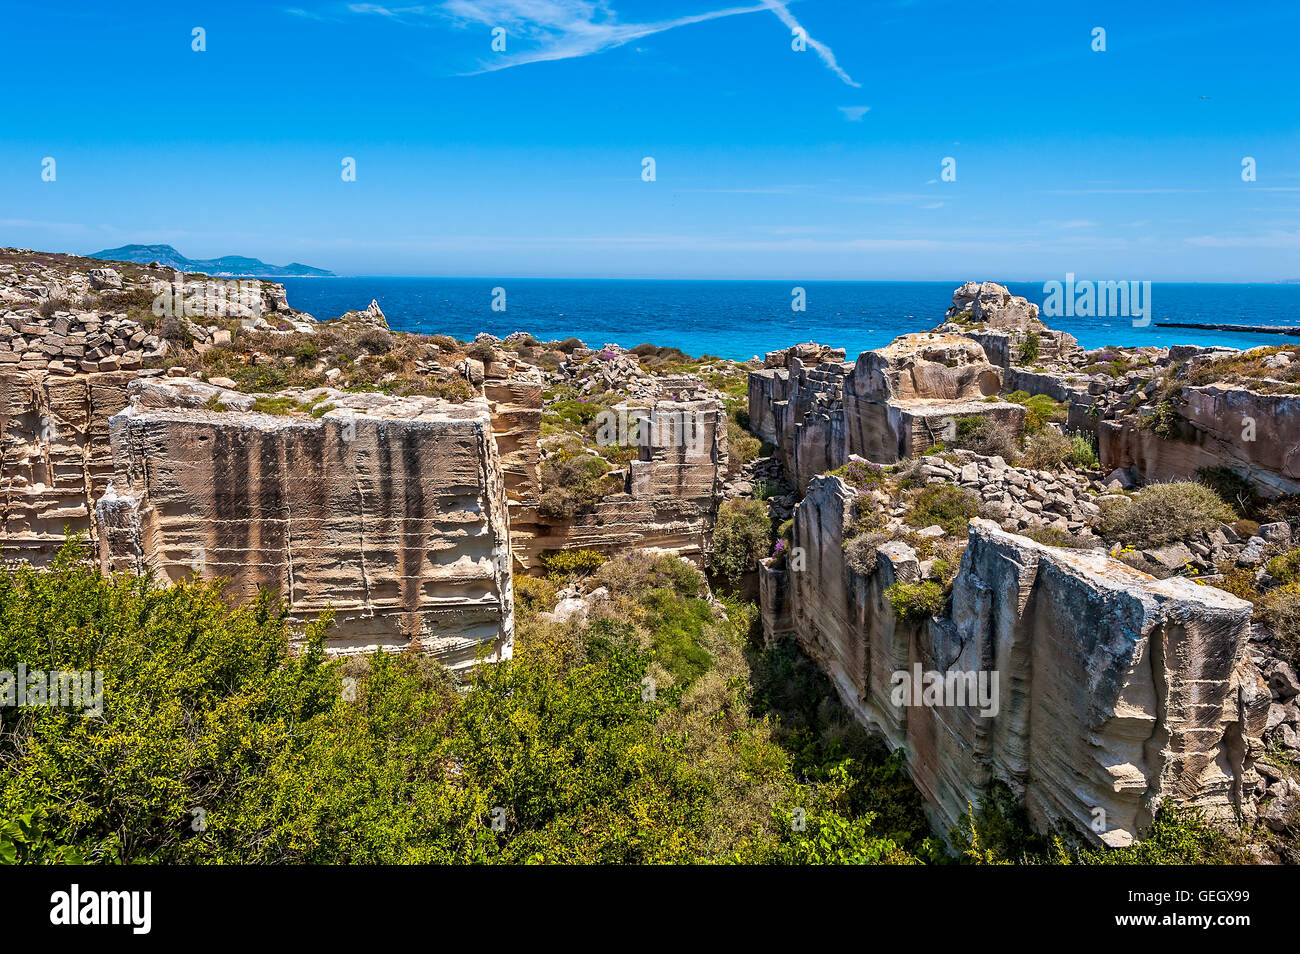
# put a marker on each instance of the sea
(740, 319)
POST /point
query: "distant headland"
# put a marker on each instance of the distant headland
(228, 266)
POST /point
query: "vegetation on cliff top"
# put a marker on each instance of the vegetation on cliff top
(654, 731)
(1159, 514)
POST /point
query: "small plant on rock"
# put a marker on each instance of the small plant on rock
(916, 600)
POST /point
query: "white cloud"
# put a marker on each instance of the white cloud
(1277, 238)
(854, 114)
(568, 29)
(824, 51)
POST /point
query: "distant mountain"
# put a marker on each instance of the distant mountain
(228, 266)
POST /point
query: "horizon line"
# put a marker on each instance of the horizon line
(781, 281)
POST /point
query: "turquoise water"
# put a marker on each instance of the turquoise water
(737, 319)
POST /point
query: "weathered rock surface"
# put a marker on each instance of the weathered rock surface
(390, 511)
(1114, 690)
(670, 495)
(54, 456)
(891, 403)
(993, 305)
(1254, 433)
(1002, 323)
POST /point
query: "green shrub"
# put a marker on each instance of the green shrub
(943, 505)
(1285, 567)
(999, 833)
(1051, 537)
(641, 572)
(1280, 608)
(740, 538)
(569, 563)
(679, 633)
(989, 437)
(1040, 410)
(918, 600)
(374, 340)
(573, 481)
(1176, 836)
(1163, 420)
(1083, 452)
(205, 707)
(533, 595)
(573, 415)
(742, 447)
(861, 474)
(1029, 348)
(1238, 581)
(865, 516)
(1162, 513)
(278, 406)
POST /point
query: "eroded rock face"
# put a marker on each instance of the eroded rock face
(1114, 690)
(992, 304)
(54, 457)
(809, 353)
(1006, 326)
(926, 367)
(515, 398)
(391, 511)
(670, 496)
(1258, 435)
(891, 403)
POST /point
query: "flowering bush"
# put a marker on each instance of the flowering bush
(861, 473)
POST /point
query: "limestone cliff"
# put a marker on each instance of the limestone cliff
(1232, 425)
(54, 456)
(1113, 690)
(891, 403)
(669, 497)
(392, 512)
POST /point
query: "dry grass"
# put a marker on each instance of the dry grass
(1248, 368)
(1162, 513)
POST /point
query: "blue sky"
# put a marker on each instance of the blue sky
(770, 162)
